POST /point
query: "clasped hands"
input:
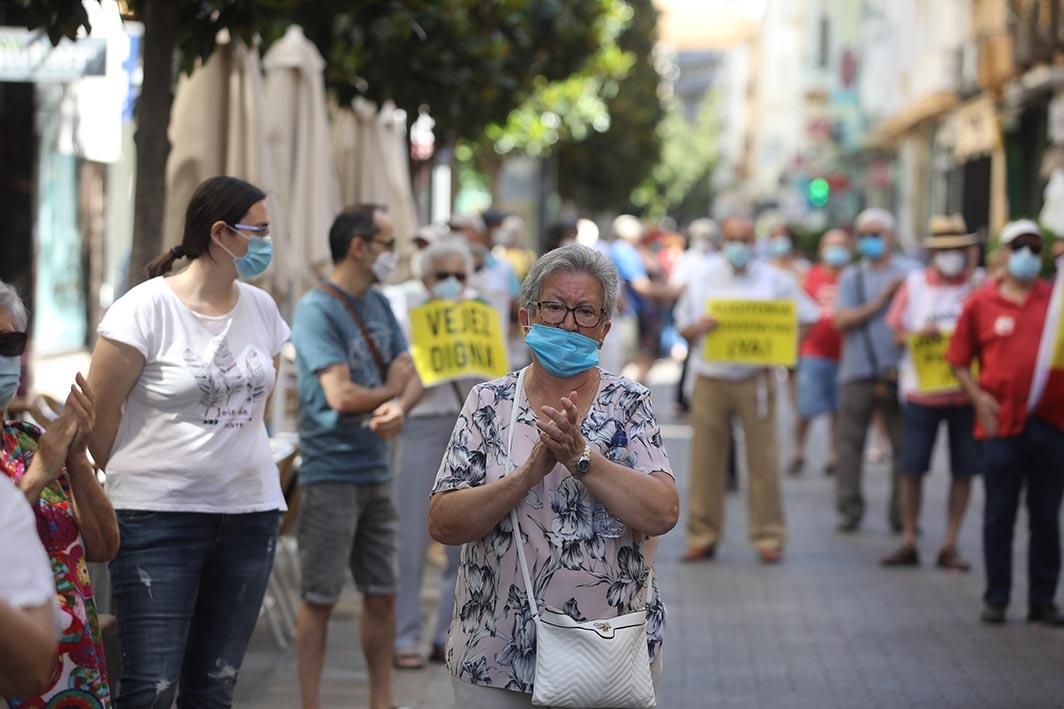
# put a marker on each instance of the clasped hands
(560, 439)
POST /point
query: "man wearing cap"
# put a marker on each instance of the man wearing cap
(927, 306)
(869, 365)
(1000, 327)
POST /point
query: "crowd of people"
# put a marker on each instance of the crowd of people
(548, 487)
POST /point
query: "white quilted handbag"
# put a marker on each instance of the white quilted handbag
(595, 663)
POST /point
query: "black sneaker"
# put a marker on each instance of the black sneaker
(995, 615)
(1049, 615)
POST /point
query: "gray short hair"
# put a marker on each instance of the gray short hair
(876, 215)
(574, 258)
(12, 303)
(447, 246)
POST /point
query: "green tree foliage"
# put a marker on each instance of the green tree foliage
(600, 172)
(470, 62)
(569, 108)
(679, 183)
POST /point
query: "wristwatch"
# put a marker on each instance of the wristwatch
(583, 463)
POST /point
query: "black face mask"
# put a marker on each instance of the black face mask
(12, 344)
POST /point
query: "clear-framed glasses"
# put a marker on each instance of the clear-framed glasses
(554, 313)
(260, 231)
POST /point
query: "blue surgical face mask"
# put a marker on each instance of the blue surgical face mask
(562, 353)
(256, 259)
(737, 253)
(836, 256)
(10, 377)
(447, 289)
(779, 246)
(871, 246)
(1024, 265)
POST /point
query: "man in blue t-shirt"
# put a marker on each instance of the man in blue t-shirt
(356, 384)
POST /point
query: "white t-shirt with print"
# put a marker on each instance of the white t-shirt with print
(192, 436)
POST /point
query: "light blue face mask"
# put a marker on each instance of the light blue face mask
(10, 377)
(779, 246)
(836, 256)
(562, 353)
(256, 259)
(737, 253)
(871, 246)
(447, 289)
(1025, 265)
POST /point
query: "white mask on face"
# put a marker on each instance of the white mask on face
(949, 263)
(384, 265)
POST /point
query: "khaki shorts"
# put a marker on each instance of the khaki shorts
(346, 525)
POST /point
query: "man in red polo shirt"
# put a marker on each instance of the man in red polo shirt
(1001, 327)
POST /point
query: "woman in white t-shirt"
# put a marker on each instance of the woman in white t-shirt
(184, 367)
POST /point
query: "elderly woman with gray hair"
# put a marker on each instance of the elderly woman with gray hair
(577, 454)
(74, 519)
(444, 269)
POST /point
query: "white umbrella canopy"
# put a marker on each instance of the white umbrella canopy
(297, 132)
(370, 150)
(217, 127)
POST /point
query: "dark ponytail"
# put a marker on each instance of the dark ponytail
(225, 199)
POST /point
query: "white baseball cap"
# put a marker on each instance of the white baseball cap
(1018, 228)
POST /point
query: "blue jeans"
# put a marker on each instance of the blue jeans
(1034, 458)
(187, 589)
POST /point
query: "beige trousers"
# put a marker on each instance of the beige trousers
(715, 402)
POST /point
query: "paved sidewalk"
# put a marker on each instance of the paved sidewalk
(827, 628)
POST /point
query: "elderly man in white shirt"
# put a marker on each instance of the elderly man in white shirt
(723, 390)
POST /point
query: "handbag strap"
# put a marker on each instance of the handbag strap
(335, 293)
(865, 336)
(530, 595)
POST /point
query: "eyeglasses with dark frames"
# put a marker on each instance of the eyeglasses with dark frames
(12, 344)
(554, 313)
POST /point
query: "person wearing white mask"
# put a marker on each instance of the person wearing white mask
(724, 390)
(1021, 437)
(928, 304)
(356, 385)
(445, 269)
(181, 372)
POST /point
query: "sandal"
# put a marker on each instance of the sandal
(905, 555)
(408, 661)
(950, 560)
(796, 467)
(771, 556)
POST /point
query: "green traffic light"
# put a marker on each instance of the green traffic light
(819, 192)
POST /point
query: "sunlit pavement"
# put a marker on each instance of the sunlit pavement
(826, 628)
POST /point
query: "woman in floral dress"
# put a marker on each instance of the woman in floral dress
(75, 521)
(587, 522)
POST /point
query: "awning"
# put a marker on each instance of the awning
(891, 129)
(978, 129)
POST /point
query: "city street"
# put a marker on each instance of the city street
(827, 628)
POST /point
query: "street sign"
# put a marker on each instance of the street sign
(28, 56)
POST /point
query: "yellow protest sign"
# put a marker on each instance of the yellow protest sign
(933, 372)
(453, 340)
(1058, 350)
(757, 332)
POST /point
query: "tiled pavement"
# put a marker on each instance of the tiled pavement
(827, 628)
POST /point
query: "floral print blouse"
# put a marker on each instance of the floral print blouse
(79, 678)
(492, 637)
